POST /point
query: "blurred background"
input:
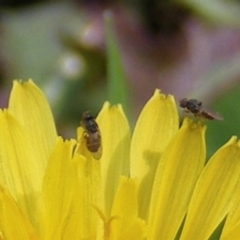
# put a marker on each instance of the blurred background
(187, 48)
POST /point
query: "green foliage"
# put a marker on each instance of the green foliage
(116, 79)
(220, 12)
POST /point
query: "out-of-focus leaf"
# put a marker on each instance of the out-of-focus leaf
(219, 131)
(220, 12)
(117, 85)
(221, 77)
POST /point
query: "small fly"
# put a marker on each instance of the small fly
(196, 107)
(92, 135)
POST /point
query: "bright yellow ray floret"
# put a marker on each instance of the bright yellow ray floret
(143, 187)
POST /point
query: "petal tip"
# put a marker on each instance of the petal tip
(188, 122)
(158, 93)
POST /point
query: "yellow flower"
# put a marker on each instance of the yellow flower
(154, 185)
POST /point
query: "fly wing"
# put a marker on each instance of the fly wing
(209, 114)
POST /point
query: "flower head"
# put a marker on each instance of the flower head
(153, 185)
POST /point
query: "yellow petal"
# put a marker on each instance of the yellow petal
(116, 146)
(31, 108)
(215, 189)
(231, 228)
(13, 223)
(177, 173)
(231, 233)
(83, 219)
(17, 167)
(57, 189)
(125, 224)
(156, 125)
